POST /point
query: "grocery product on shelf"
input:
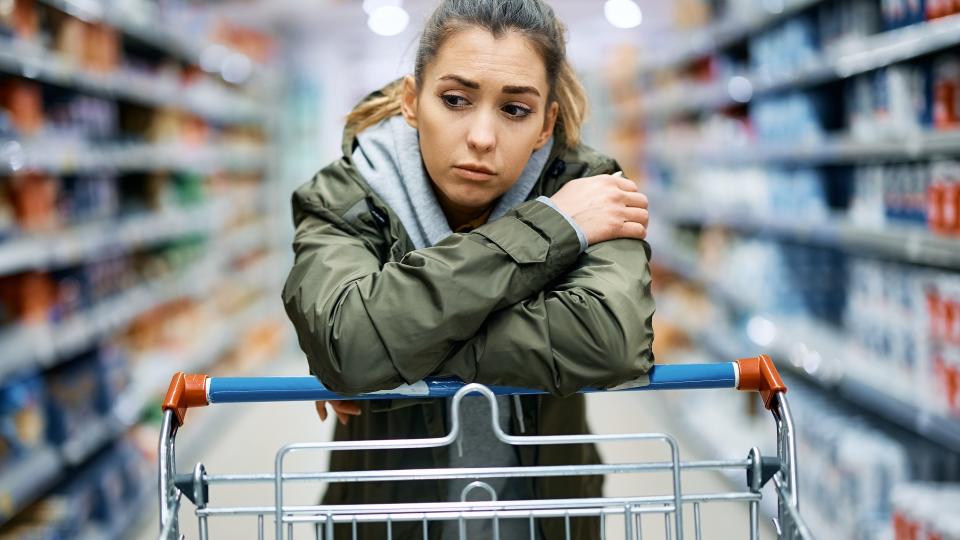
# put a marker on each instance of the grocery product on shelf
(926, 510)
(22, 418)
(133, 242)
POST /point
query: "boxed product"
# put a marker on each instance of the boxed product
(72, 294)
(101, 48)
(23, 102)
(946, 92)
(34, 199)
(943, 198)
(940, 8)
(26, 298)
(114, 373)
(83, 117)
(88, 197)
(786, 48)
(8, 216)
(891, 102)
(943, 331)
(840, 23)
(18, 18)
(22, 417)
(898, 13)
(74, 397)
(69, 37)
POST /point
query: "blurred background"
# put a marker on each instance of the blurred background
(799, 157)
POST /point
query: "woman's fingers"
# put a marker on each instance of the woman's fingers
(322, 410)
(625, 184)
(632, 229)
(636, 199)
(343, 409)
(637, 215)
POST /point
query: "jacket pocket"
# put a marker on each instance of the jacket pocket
(523, 244)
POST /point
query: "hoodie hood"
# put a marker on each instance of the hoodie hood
(387, 156)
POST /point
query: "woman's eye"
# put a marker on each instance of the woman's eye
(454, 101)
(516, 111)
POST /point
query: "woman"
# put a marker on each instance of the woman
(467, 232)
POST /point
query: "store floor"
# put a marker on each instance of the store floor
(244, 439)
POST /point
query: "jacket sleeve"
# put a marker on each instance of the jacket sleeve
(365, 327)
(592, 327)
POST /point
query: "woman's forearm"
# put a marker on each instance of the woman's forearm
(594, 328)
(366, 328)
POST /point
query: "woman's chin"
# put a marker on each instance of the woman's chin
(473, 198)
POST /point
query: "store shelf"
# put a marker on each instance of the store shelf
(25, 482)
(30, 61)
(77, 244)
(839, 63)
(65, 157)
(134, 22)
(832, 150)
(726, 32)
(900, 243)
(40, 346)
(796, 343)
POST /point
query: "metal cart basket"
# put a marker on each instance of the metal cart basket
(327, 522)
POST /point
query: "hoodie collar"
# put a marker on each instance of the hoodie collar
(387, 156)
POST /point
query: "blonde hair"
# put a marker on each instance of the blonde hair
(532, 18)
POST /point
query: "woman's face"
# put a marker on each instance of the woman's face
(481, 112)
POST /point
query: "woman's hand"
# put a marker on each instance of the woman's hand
(605, 207)
(343, 409)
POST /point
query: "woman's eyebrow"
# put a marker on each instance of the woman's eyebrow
(509, 89)
(521, 90)
(465, 82)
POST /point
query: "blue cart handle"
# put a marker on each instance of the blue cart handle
(196, 390)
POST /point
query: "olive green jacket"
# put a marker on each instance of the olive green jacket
(513, 302)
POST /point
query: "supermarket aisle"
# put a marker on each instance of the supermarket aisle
(244, 438)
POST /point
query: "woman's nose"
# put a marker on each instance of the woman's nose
(482, 135)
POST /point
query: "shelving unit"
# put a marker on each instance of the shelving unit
(795, 342)
(241, 258)
(22, 485)
(26, 60)
(832, 150)
(728, 31)
(898, 243)
(864, 55)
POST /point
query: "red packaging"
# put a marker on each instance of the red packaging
(946, 93)
(21, 17)
(23, 101)
(34, 198)
(101, 48)
(951, 219)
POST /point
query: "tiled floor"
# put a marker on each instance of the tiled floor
(244, 439)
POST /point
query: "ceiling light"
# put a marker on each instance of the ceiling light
(236, 68)
(388, 20)
(372, 5)
(212, 57)
(623, 13)
(740, 89)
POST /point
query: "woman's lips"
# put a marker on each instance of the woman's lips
(470, 173)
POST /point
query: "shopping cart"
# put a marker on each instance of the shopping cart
(753, 374)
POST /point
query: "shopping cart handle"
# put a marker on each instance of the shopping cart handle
(194, 390)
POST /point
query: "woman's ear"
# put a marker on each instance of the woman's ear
(408, 101)
(548, 124)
